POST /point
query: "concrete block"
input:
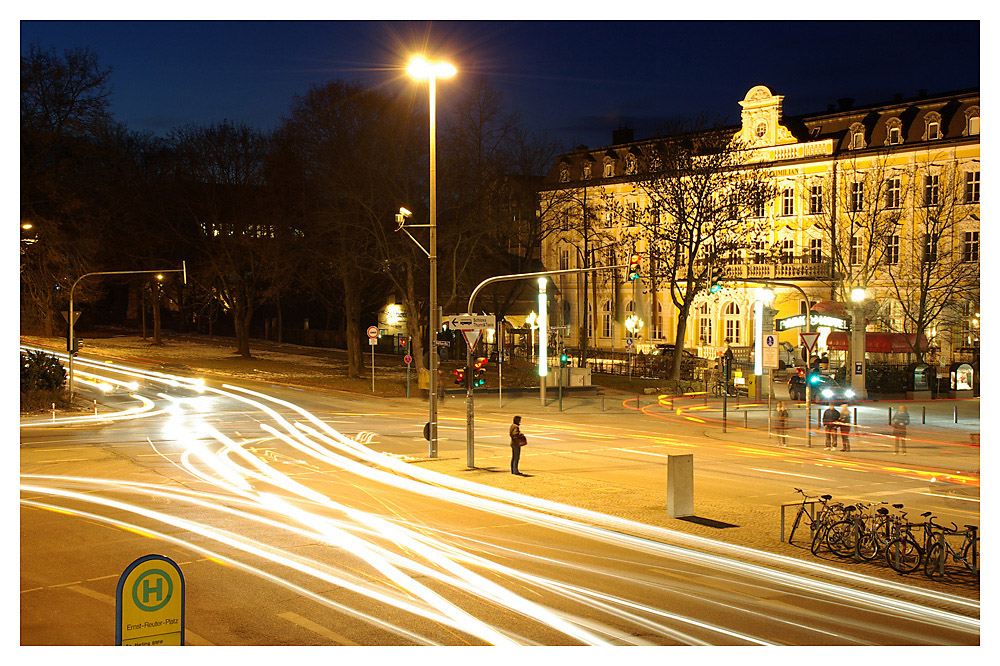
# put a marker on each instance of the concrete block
(680, 485)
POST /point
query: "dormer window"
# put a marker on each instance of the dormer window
(894, 132)
(857, 136)
(564, 173)
(631, 164)
(932, 126)
(586, 170)
(971, 122)
(609, 167)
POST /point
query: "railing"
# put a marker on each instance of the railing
(641, 365)
(774, 271)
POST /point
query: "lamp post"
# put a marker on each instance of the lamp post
(419, 69)
(543, 339)
(857, 369)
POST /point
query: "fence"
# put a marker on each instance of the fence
(650, 366)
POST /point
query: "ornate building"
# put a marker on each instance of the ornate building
(882, 197)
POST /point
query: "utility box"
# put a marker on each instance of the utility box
(680, 485)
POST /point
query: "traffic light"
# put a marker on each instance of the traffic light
(563, 359)
(633, 266)
(715, 280)
(479, 372)
(460, 376)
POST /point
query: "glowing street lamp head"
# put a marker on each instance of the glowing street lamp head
(420, 68)
(858, 294)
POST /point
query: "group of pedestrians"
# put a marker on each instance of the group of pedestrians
(839, 421)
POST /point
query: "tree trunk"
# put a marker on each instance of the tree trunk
(679, 334)
(352, 312)
(241, 319)
(157, 337)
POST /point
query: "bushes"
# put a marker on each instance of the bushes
(41, 372)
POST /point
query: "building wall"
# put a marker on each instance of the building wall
(832, 149)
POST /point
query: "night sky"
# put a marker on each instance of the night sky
(573, 80)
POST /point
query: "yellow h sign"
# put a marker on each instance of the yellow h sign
(150, 603)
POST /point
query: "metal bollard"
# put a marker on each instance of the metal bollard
(956, 413)
(53, 411)
(923, 415)
(890, 416)
(745, 426)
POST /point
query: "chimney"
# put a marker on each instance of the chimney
(623, 134)
(845, 103)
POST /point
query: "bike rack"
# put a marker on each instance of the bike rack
(812, 513)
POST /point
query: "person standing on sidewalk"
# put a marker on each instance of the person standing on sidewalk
(845, 428)
(830, 419)
(899, 423)
(517, 440)
(782, 414)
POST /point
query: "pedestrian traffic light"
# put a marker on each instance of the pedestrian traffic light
(564, 359)
(715, 280)
(479, 372)
(459, 376)
(633, 266)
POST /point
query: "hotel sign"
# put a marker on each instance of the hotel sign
(814, 319)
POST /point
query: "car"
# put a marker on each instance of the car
(824, 389)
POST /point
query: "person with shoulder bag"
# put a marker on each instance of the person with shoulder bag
(517, 440)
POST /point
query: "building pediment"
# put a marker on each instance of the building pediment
(761, 117)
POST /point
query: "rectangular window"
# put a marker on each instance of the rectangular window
(857, 197)
(788, 201)
(705, 330)
(892, 249)
(759, 252)
(609, 222)
(856, 251)
(970, 249)
(758, 209)
(931, 190)
(971, 187)
(816, 250)
(733, 331)
(816, 199)
(895, 136)
(974, 125)
(932, 131)
(564, 221)
(563, 260)
(894, 187)
(787, 251)
(930, 248)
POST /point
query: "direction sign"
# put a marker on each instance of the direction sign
(407, 359)
(769, 349)
(809, 340)
(469, 321)
(149, 603)
(373, 331)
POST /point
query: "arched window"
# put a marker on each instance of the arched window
(731, 315)
(857, 136)
(932, 126)
(657, 320)
(609, 167)
(607, 320)
(704, 325)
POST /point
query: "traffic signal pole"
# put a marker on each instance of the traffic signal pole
(469, 409)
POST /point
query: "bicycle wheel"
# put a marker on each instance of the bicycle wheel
(819, 540)
(840, 538)
(867, 547)
(903, 555)
(932, 561)
(795, 525)
(967, 557)
(717, 390)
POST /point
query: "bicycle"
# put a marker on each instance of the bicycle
(903, 553)
(940, 548)
(883, 529)
(841, 536)
(835, 513)
(804, 513)
(721, 387)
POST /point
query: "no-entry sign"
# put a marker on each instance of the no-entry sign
(373, 332)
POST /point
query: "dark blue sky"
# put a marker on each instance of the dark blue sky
(572, 80)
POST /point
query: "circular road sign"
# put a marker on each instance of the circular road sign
(373, 331)
(407, 359)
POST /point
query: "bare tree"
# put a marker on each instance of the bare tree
(937, 266)
(703, 192)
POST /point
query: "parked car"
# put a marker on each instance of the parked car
(824, 389)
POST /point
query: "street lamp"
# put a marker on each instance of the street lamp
(419, 69)
(857, 369)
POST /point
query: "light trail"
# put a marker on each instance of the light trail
(470, 590)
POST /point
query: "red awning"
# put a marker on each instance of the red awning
(830, 308)
(883, 343)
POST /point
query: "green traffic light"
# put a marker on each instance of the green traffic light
(715, 288)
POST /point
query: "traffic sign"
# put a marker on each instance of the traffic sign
(372, 342)
(469, 321)
(407, 359)
(373, 331)
(769, 355)
(149, 603)
(472, 337)
(809, 340)
(628, 342)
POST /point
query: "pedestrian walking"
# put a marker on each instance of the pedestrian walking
(899, 423)
(830, 419)
(517, 440)
(845, 428)
(782, 421)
